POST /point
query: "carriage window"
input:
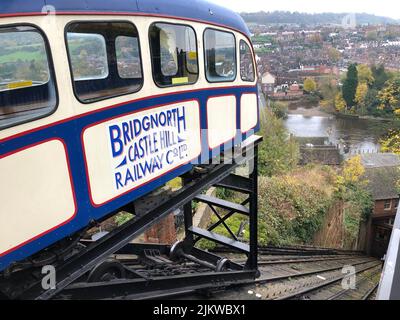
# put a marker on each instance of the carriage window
(27, 89)
(174, 54)
(128, 57)
(220, 53)
(246, 62)
(88, 56)
(105, 59)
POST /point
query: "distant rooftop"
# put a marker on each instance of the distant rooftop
(382, 182)
(379, 160)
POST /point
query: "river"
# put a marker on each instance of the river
(359, 135)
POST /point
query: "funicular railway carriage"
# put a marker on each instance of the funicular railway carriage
(101, 102)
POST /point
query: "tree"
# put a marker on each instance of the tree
(328, 88)
(279, 109)
(353, 169)
(350, 86)
(279, 152)
(372, 35)
(310, 85)
(391, 142)
(365, 74)
(340, 104)
(389, 96)
(361, 94)
(334, 55)
(380, 75)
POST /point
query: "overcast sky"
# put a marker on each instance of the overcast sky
(387, 8)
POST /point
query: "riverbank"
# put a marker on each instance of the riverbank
(377, 119)
(319, 112)
(309, 112)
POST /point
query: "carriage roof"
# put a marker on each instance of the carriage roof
(198, 10)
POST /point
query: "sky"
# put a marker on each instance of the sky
(386, 8)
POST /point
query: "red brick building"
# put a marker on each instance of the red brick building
(383, 184)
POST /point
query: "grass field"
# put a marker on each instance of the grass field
(21, 55)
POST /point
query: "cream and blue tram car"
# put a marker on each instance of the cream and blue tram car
(103, 101)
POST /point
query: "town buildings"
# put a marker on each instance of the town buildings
(292, 53)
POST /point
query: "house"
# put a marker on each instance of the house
(382, 172)
(294, 87)
(268, 83)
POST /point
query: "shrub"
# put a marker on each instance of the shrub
(292, 207)
(279, 152)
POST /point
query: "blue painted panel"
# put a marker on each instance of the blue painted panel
(193, 9)
(21, 6)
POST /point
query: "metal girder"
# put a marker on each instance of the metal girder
(156, 287)
(214, 259)
(227, 216)
(236, 183)
(252, 262)
(223, 204)
(230, 243)
(138, 248)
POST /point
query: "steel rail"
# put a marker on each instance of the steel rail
(324, 284)
(299, 260)
(344, 291)
(273, 279)
(370, 292)
(272, 262)
(302, 274)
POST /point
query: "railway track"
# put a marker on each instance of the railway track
(308, 274)
(308, 278)
(332, 289)
(298, 250)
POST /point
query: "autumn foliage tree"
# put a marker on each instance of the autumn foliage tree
(340, 104)
(391, 142)
(361, 94)
(310, 85)
(353, 169)
(389, 96)
(334, 54)
(365, 74)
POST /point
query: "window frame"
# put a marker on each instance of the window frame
(205, 55)
(70, 61)
(390, 205)
(52, 74)
(252, 61)
(151, 55)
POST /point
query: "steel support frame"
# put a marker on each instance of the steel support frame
(119, 239)
(252, 200)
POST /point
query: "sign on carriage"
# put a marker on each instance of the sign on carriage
(148, 145)
(129, 151)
